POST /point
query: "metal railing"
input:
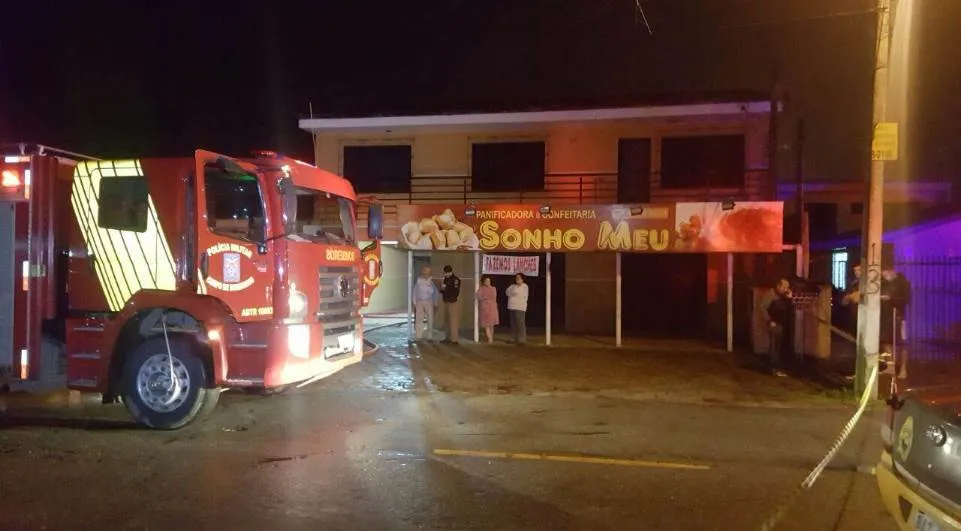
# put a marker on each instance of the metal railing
(559, 189)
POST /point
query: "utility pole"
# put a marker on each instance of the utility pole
(804, 236)
(869, 311)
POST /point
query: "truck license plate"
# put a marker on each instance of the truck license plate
(923, 522)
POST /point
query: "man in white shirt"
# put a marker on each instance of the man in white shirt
(425, 295)
(517, 295)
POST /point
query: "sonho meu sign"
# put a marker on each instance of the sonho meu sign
(749, 227)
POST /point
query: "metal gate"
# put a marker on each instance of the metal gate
(7, 285)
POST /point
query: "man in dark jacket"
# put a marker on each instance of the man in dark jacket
(895, 296)
(450, 291)
(777, 309)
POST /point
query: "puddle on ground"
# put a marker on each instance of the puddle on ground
(395, 382)
(394, 455)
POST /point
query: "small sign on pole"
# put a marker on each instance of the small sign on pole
(884, 145)
(495, 264)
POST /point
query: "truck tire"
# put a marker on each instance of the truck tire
(152, 397)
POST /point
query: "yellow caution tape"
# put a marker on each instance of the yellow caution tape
(808, 482)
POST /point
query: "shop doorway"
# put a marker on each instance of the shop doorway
(664, 295)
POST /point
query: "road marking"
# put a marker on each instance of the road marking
(571, 459)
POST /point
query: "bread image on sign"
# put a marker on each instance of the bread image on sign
(439, 232)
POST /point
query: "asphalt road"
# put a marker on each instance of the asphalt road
(374, 448)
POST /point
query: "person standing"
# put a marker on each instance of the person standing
(851, 301)
(517, 306)
(895, 296)
(450, 292)
(425, 297)
(777, 308)
(487, 305)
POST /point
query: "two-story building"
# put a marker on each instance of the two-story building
(697, 150)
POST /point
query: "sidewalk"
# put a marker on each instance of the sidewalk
(680, 371)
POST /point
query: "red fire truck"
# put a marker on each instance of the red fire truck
(161, 282)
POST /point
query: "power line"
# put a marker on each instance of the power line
(826, 16)
(640, 10)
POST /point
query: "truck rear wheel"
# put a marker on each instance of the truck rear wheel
(166, 392)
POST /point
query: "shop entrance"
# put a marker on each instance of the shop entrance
(664, 295)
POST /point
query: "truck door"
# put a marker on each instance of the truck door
(232, 220)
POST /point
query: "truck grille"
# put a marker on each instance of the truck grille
(339, 308)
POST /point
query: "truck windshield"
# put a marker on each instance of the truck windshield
(234, 205)
(316, 216)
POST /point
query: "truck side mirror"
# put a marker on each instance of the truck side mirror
(375, 222)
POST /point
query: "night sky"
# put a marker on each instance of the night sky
(129, 78)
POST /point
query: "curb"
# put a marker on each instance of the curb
(370, 348)
(378, 327)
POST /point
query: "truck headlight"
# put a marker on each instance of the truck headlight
(296, 303)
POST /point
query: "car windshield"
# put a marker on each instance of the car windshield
(317, 216)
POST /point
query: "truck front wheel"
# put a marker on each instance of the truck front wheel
(166, 392)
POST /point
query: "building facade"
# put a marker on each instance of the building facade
(700, 151)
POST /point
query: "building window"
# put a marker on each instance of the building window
(634, 170)
(839, 270)
(123, 204)
(715, 161)
(507, 166)
(378, 169)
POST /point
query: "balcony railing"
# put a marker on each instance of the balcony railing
(559, 189)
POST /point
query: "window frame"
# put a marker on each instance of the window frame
(703, 182)
(210, 214)
(141, 199)
(509, 185)
(360, 187)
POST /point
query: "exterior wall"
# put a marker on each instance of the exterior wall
(585, 151)
(847, 194)
(581, 167)
(391, 295)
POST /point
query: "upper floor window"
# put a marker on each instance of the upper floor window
(378, 169)
(507, 166)
(714, 161)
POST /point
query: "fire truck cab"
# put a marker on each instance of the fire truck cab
(161, 282)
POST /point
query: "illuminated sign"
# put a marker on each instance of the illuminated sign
(743, 227)
(341, 255)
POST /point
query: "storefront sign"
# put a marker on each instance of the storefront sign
(498, 264)
(744, 227)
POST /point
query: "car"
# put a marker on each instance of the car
(919, 474)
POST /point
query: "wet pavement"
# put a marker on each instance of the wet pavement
(455, 437)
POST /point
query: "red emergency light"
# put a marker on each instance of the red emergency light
(11, 179)
(14, 184)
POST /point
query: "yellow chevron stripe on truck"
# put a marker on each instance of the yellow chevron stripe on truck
(125, 262)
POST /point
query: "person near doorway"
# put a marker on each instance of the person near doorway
(851, 301)
(487, 305)
(450, 292)
(895, 296)
(425, 296)
(517, 294)
(777, 309)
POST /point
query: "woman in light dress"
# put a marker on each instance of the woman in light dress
(487, 299)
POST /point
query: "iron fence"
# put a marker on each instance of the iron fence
(933, 317)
